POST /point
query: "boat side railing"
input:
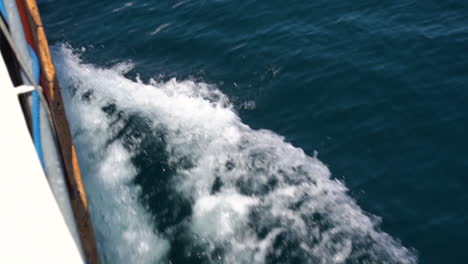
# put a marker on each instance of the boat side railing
(52, 108)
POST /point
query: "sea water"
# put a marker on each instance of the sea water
(268, 131)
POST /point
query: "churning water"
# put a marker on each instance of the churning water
(222, 131)
(214, 190)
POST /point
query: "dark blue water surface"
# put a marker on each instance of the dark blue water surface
(377, 88)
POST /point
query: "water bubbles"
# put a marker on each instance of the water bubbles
(212, 190)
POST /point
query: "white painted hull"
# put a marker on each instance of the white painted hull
(32, 227)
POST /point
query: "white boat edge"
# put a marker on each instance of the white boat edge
(32, 227)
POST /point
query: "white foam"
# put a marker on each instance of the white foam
(128, 4)
(123, 229)
(158, 29)
(269, 190)
(179, 3)
(123, 67)
(217, 217)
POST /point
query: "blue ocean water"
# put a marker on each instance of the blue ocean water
(219, 131)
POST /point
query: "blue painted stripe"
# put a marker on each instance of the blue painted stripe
(36, 108)
(2, 10)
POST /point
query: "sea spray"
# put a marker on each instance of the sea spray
(123, 229)
(225, 193)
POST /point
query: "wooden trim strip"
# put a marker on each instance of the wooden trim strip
(76, 188)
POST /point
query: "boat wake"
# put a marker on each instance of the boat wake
(174, 176)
